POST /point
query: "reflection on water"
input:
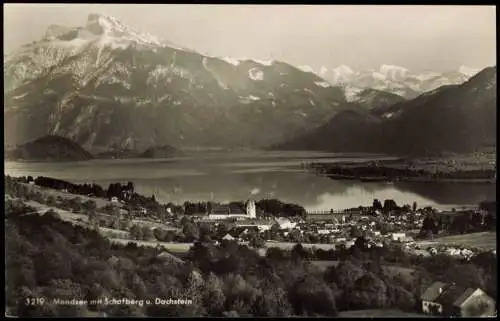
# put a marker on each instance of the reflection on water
(238, 176)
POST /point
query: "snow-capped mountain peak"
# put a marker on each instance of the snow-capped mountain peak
(393, 79)
(393, 72)
(112, 27)
(323, 71)
(468, 71)
(343, 69)
(342, 74)
(306, 68)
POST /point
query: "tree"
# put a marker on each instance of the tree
(272, 303)
(160, 234)
(390, 205)
(53, 214)
(213, 295)
(414, 206)
(147, 233)
(310, 297)
(355, 231)
(295, 236)
(298, 252)
(256, 241)
(89, 205)
(191, 231)
(136, 232)
(361, 243)
(169, 236)
(51, 200)
(369, 292)
(377, 205)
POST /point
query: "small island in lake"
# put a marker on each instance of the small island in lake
(49, 148)
(164, 151)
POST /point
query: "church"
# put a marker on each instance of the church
(221, 212)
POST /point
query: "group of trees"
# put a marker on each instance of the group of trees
(391, 173)
(80, 189)
(458, 223)
(277, 208)
(389, 205)
(53, 259)
(123, 192)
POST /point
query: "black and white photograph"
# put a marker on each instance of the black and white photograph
(237, 160)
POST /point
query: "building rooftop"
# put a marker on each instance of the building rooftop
(220, 209)
(432, 292)
(450, 294)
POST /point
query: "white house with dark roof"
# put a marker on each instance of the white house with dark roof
(453, 300)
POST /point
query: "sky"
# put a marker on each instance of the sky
(439, 38)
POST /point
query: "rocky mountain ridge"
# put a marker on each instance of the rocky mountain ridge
(109, 86)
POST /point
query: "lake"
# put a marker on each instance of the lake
(230, 176)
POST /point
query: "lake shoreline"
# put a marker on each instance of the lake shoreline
(409, 179)
(240, 176)
(461, 171)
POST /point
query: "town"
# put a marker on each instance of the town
(323, 237)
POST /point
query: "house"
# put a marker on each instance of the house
(228, 237)
(261, 225)
(234, 234)
(407, 239)
(398, 236)
(453, 300)
(114, 199)
(285, 223)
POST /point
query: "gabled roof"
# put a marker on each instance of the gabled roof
(432, 292)
(461, 299)
(237, 231)
(254, 222)
(235, 209)
(221, 209)
(228, 236)
(451, 295)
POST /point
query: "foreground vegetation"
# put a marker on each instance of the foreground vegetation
(48, 258)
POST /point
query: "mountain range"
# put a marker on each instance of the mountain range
(115, 90)
(108, 86)
(454, 118)
(392, 79)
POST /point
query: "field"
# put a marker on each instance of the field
(375, 313)
(65, 215)
(483, 240)
(171, 247)
(290, 245)
(100, 202)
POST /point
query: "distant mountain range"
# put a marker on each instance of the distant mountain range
(115, 90)
(393, 79)
(455, 118)
(108, 86)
